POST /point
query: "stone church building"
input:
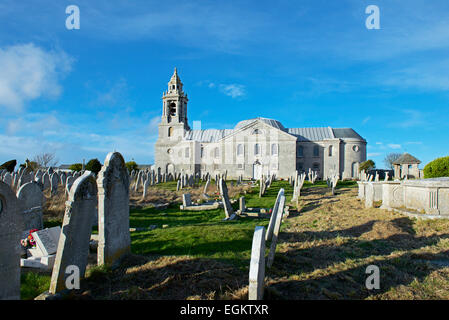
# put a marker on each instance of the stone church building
(253, 147)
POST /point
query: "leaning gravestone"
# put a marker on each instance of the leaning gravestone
(11, 226)
(277, 227)
(114, 240)
(257, 265)
(274, 213)
(73, 245)
(47, 240)
(225, 198)
(30, 198)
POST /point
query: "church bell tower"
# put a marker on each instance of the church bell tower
(174, 108)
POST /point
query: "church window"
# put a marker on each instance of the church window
(356, 148)
(316, 151)
(330, 151)
(300, 152)
(201, 152)
(170, 131)
(256, 131)
(274, 149)
(216, 152)
(240, 150)
(257, 149)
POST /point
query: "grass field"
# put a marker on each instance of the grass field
(323, 252)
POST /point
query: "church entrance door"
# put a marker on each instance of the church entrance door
(257, 170)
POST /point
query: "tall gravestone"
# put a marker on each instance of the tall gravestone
(11, 226)
(30, 198)
(277, 228)
(274, 213)
(257, 265)
(225, 198)
(73, 245)
(113, 210)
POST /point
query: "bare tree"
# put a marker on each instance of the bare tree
(46, 159)
(390, 158)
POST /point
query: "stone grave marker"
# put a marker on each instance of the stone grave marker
(114, 239)
(73, 246)
(30, 198)
(257, 265)
(11, 226)
(277, 227)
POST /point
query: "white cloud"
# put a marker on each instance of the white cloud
(233, 90)
(29, 72)
(394, 146)
(374, 154)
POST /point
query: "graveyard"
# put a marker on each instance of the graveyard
(319, 248)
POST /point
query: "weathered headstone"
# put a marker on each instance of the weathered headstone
(114, 240)
(11, 226)
(257, 265)
(47, 240)
(186, 200)
(277, 227)
(30, 201)
(225, 198)
(73, 246)
(274, 213)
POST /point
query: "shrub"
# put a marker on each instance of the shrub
(131, 165)
(76, 167)
(367, 165)
(9, 165)
(93, 165)
(437, 168)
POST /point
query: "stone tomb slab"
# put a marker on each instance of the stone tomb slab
(47, 240)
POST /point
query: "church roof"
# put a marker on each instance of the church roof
(406, 158)
(312, 134)
(302, 134)
(270, 122)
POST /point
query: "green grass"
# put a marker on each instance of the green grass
(33, 284)
(201, 233)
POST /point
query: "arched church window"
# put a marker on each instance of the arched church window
(257, 149)
(240, 150)
(257, 131)
(300, 152)
(274, 149)
(170, 131)
(330, 151)
(316, 151)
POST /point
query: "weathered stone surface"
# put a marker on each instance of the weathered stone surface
(225, 198)
(186, 200)
(369, 195)
(30, 198)
(257, 265)
(274, 213)
(277, 227)
(11, 226)
(113, 210)
(73, 246)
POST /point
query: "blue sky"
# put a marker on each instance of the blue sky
(83, 93)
